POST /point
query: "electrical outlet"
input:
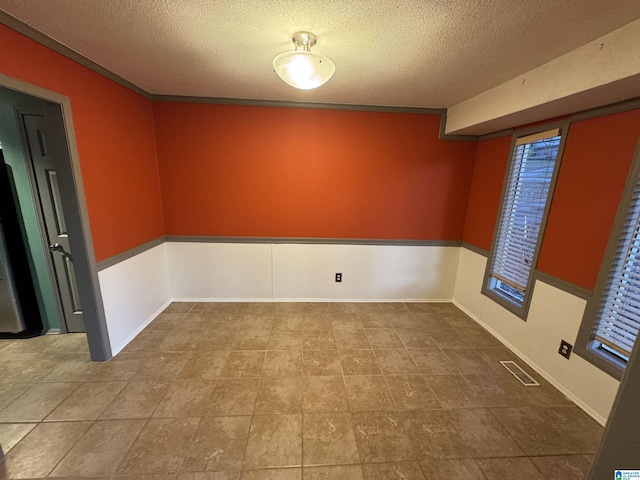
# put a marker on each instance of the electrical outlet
(565, 349)
(338, 277)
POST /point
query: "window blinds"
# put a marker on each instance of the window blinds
(618, 319)
(524, 202)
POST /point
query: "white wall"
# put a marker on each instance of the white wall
(553, 315)
(244, 271)
(134, 291)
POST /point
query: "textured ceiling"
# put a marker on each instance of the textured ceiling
(421, 53)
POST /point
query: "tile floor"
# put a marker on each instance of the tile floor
(252, 391)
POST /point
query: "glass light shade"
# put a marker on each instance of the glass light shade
(303, 70)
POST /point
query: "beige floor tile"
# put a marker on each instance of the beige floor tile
(162, 366)
(532, 431)
(136, 400)
(393, 307)
(432, 361)
(252, 339)
(160, 447)
(478, 337)
(396, 361)
(288, 321)
(12, 433)
(321, 363)
(393, 471)
(220, 475)
(384, 338)
(452, 391)
(448, 338)
(433, 435)
(203, 322)
(185, 398)
(416, 338)
(257, 321)
(233, 397)
(87, 402)
(571, 467)
(38, 402)
(381, 438)
(581, 432)
(279, 395)
(407, 322)
(378, 319)
(483, 434)
(467, 360)
(179, 307)
(282, 363)
(465, 468)
(285, 340)
(351, 339)
(318, 339)
(10, 391)
(244, 364)
(354, 307)
(182, 341)
(41, 450)
(114, 370)
(273, 474)
(411, 392)
(218, 444)
(419, 307)
(73, 367)
(334, 472)
(166, 321)
(368, 393)
(15, 368)
(295, 380)
(100, 450)
(328, 439)
(204, 366)
(316, 321)
(274, 441)
(500, 390)
(147, 341)
(324, 394)
(509, 468)
(349, 322)
(359, 362)
(219, 339)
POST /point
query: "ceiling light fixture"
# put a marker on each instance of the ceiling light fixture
(301, 68)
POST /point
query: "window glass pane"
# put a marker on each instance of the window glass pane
(526, 195)
(618, 317)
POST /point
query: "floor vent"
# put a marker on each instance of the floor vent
(519, 373)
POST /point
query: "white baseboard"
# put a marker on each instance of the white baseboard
(317, 300)
(588, 410)
(134, 334)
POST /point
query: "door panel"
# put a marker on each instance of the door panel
(48, 193)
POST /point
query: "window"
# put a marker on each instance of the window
(612, 318)
(525, 201)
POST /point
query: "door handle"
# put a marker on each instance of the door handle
(56, 247)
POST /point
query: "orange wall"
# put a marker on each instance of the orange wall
(486, 187)
(116, 143)
(595, 165)
(594, 169)
(281, 172)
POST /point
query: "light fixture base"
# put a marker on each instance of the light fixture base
(304, 40)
